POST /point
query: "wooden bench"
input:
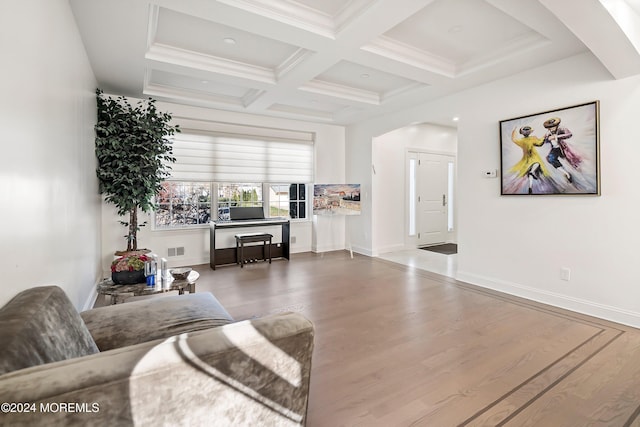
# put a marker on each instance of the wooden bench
(243, 238)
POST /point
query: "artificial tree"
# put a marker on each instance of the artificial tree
(134, 156)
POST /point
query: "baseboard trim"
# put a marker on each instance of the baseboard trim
(186, 262)
(320, 249)
(92, 298)
(362, 251)
(590, 308)
(390, 248)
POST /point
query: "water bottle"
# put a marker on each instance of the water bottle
(150, 269)
(163, 272)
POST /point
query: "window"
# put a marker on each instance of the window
(288, 200)
(278, 200)
(183, 204)
(297, 201)
(450, 178)
(413, 196)
(222, 165)
(242, 195)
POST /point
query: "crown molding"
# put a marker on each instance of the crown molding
(289, 64)
(251, 96)
(157, 90)
(340, 91)
(387, 96)
(407, 54)
(300, 113)
(518, 46)
(213, 64)
(152, 25)
(349, 12)
(289, 13)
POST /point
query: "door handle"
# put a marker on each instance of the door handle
(444, 200)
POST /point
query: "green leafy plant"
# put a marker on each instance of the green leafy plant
(134, 156)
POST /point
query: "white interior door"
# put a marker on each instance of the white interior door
(433, 194)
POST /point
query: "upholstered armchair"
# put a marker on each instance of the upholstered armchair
(172, 361)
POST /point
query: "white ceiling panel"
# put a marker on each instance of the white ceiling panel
(330, 7)
(337, 61)
(209, 38)
(360, 77)
(459, 30)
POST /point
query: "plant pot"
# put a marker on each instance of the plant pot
(128, 277)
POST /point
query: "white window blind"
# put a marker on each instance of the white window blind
(222, 152)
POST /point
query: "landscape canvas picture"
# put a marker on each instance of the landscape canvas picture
(554, 152)
(336, 199)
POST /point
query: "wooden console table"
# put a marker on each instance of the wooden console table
(224, 256)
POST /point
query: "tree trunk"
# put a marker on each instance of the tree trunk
(132, 239)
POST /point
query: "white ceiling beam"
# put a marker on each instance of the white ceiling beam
(598, 30)
(377, 19)
(373, 19)
(627, 18)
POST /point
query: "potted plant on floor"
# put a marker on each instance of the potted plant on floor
(134, 157)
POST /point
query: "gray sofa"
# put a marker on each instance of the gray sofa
(173, 361)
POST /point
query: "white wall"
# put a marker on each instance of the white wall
(359, 162)
(327, 233)
(519, 244)
(317, 234)
(50, 209)
(359, 166)
(390, 191)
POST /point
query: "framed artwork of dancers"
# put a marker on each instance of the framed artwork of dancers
(553, 152)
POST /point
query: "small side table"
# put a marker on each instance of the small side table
(119, 293)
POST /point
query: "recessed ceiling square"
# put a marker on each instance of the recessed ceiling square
(458, 30)
(211, 38)
(329, 7)
(360, 77)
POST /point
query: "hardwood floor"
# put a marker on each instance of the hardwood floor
(396, 346)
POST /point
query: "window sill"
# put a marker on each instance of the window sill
(185, 228)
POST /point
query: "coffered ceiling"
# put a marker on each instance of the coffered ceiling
(338, 61)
